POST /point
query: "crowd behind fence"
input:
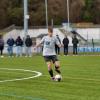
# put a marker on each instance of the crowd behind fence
(81, 50)
(90, 47)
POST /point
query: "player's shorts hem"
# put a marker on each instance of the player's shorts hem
(52, 58)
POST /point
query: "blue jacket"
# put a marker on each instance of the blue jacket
(10, 42)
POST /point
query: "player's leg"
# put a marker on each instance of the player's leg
(57, 64)
(49, 64)
(57, 67)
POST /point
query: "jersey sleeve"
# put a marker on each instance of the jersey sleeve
(42, 41)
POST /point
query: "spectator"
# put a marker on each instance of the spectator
(19, 44)
(10, 43)
(65, 43)
(28, 43)
(75, 43)
(57, 49)
(1, 46)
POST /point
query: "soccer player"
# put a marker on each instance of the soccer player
(49, 53)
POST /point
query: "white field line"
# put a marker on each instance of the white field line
(12, 80)
(76, 78)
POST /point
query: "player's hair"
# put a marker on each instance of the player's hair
(50, 29)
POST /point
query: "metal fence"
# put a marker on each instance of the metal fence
(82, 50)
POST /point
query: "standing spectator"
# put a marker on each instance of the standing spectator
(10, 43)
(93, 44)
(1, 45)
(19, 44)
(75, 43)
(57, 49)
(65, 43)
(28, 43)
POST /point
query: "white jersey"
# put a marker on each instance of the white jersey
(49, 45)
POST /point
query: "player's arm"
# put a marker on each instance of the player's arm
(58, 43)
(61, 45)
(39, 44)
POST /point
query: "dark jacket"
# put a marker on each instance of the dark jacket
(1, 42)
(58, 39)
(28, 42)
(75, 41)
(10, 42)
(65, 41)
(19, 42)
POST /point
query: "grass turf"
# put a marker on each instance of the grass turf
(81, 79)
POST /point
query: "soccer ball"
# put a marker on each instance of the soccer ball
(58, 78)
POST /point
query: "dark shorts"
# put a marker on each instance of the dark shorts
(51, 58)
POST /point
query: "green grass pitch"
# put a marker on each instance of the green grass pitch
(81, 79)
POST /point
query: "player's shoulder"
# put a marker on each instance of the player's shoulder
(44, 37)
(55, 37)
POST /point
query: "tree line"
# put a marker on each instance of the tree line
(11, 12)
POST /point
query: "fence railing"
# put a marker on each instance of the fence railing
(80, 49)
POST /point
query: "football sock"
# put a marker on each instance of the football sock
(57, 70)
(51, 73)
